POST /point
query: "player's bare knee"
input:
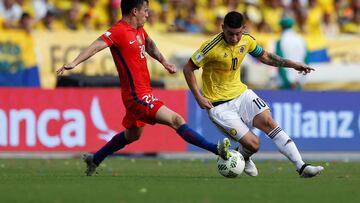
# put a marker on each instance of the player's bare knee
(270, 123)
(255, 145)
(177, 121)
(255, 148)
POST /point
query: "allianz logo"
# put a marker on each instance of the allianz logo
(72, 131)
(299, 123)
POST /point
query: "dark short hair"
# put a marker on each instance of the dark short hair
(128, 5)
(234, 19)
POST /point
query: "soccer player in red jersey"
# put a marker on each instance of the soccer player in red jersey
(128, 42)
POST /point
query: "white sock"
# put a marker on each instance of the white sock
(245, 152)
(286, 146)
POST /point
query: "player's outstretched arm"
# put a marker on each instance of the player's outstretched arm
(94, 47)
(277, 61)
(154, 52)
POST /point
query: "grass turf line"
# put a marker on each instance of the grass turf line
(150, 180)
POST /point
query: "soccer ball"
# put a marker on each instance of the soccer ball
(233, 167)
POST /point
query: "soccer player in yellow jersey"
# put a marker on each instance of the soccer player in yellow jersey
(231, 106)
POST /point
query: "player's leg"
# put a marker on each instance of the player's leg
(249, 145)
(284, 143)
(116, 143)
(133, 131)
(227, 120)
(170, 118)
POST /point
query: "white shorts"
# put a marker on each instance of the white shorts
(235, 118)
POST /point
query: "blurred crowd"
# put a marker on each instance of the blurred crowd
(325, 17)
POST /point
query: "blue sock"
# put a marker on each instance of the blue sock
(192, 137)
(116, 143)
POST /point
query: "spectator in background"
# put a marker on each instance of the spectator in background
(348, 17)
(114, 11)
(272, 13)
(50, 22)
(96, 15)
(26, 23)
(189, 24)
(314, 18)
(154, 23)
(207, 16)
(218, 23)
(253, 14)
(298, 11)
(11, 12)
(86, 22)
(175, 14)
(41, 8)
(353, 26)
(231, 5)
(349, 12)
(293, 47)
(1, 23)
(71, 22)
(330, 27)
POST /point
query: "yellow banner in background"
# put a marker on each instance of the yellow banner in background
(56, 49)
(344, 50)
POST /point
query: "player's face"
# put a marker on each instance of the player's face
(142, 14)
(232, 35)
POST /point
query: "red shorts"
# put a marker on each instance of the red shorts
(140, 113)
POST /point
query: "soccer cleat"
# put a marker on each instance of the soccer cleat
(90, 165)
(250, 168)
(308, 171)
(223, 149)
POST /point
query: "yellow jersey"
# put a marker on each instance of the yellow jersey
(221, 66)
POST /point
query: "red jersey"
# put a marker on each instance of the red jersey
(127, 45)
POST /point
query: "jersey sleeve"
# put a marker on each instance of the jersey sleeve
(109, 36)
(199, 59)
(255, 50)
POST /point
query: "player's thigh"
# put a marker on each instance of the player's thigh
(169, 117)
(228, 121)
(265, 122)
(249, 106)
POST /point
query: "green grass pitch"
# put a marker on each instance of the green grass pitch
(126, 180)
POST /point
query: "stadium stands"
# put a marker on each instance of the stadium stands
(312, 16)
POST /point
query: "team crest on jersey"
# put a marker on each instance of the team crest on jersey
(242, 49)
(225, 55)
(138, 38)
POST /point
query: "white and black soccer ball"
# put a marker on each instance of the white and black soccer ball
(232, 167)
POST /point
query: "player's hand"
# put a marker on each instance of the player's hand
(61, 70)
(204, 103)
(303, 68)
(171, 68)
